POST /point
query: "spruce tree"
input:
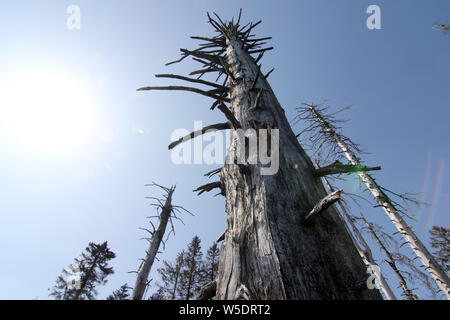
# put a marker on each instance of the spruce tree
(158, 295)
(211, 263)
(170, 275)
(120, 294)
(191, 273)
(91, 270)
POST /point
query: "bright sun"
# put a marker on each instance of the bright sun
(46, 111)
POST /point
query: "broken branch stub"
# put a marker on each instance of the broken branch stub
(192, 135)
(338, 168)
(208, 291)
(325, 203)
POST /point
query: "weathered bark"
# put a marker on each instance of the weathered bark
(365, 252)
(430, 264)
(269, 251)
(157, 237)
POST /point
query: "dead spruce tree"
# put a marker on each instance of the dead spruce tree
(390, 260)
(168, 213)
(361, 244)
(323, 131)
(269, 250)
(385, 242)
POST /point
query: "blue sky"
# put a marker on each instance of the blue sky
(52, 204)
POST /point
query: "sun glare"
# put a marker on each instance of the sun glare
(46, 111)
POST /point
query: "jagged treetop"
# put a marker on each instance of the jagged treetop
(211, 55)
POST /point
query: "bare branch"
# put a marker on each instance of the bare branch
(254, 81)
(222, 237)
(260, 50)
(213, 40)
(174, 76)
(176, 61)
(213, 172)
(268, 73)
(203, 55)
(325, 203)
(258, 96)
(208, 187)
(182, 88)
(192, 135)
(338, 168)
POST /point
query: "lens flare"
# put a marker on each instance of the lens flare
(425, 184)
(437, 189)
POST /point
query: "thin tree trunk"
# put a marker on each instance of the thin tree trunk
(178, 269)
(188, 290)
(404, 229)
(143, 272)
(409, 294)
(365, 252)
(269, 250)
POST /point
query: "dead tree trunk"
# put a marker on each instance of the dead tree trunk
(391, 261)
(270, 251)
(153, 248)
(383, 200)
(365, 252)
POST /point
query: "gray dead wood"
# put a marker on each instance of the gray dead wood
(183, 88)
(175, 76)
(325, 203)
(209, 186)
(427, 259)
(391, 261)
(364, 251)
(155, 241)
(269, 251)
(192, 135)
